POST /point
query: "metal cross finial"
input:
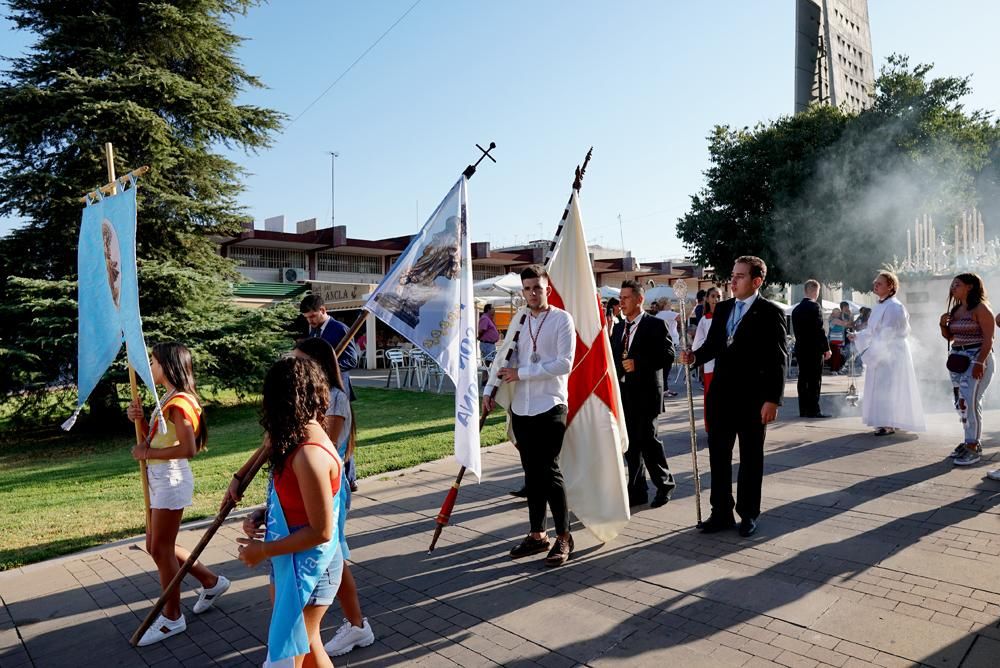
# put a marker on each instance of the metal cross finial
(471, 169)
(580, 171)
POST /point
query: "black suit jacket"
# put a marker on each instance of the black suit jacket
(653, 350)
(807, 325)
(751, 371)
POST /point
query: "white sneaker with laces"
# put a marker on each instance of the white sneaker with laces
(349, 636)
(207, 597)
(162, 629)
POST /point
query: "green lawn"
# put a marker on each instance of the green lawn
(60, 493)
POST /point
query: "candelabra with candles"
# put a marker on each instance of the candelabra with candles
(927, 252)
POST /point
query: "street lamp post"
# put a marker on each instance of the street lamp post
(333, 187)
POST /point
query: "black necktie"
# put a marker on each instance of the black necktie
(314, 332)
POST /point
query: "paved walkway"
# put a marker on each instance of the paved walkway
(871, 552)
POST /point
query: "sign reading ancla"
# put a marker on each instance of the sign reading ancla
(340, 292)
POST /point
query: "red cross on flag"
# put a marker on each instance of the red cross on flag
(591, 458)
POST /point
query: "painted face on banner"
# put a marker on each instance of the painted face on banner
(112, 261)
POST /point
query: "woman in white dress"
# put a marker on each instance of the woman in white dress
(891, 395)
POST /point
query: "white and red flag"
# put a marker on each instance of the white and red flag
(591, 457)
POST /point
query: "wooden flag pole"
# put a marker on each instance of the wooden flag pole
(258, 459)
(112, 189)
(444, 516)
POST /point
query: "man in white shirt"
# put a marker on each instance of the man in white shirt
(540, 369)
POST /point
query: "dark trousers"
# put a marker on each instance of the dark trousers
(645, 453)
(726, 428)
(539, 441)
(810, 383)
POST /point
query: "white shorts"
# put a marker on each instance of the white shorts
(171, 485)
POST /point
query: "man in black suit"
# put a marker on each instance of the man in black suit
(641, 348)
(811, 349)
(747, 342)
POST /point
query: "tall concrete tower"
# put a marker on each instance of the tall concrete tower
(833, 54)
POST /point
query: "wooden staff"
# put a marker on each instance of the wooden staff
(111, 188)
(259, 458)
(680, 291)
(444, 516)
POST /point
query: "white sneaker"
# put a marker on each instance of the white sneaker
(994, 475)
(162, 629)
(207, 597)
(348, 637)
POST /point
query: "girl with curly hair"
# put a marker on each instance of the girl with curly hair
(302, 533)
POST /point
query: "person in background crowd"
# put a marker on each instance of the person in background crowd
(699, 308)
(811, 350)
(488, 332)
(663, 310)
(331, 330)
(838, 328)
(712, 297)
(612, 314)
(968, 326)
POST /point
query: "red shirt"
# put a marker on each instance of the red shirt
(286, 484)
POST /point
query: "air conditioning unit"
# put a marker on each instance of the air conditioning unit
(294, 275)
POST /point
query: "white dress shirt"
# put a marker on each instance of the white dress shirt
(544, 384)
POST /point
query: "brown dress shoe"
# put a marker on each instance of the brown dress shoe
(530, 546)
(560, 552)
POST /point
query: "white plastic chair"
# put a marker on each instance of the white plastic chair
(419, 365)
(397, 363)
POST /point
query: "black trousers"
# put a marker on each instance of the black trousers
(645, 453)
(810, 383)
(745, 425)
(539, 442)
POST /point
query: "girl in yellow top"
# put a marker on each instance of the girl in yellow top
(171, 485)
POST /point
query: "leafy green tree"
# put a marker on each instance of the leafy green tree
(159, 80)
(829, 195)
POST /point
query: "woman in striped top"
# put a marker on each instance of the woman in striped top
(968, 326)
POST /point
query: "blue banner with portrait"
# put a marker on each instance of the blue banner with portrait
(108, 294)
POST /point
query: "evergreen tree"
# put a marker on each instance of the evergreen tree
(159, 80)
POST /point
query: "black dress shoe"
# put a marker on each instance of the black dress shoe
(748, 527)
(661, 498)
(716, 523)
(820, 415)
(520, 493)
(637, 501)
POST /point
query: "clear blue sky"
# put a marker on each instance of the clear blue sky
(643, 82)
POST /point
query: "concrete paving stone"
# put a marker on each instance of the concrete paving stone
(935, 567)
(985, 653)
(915, 639)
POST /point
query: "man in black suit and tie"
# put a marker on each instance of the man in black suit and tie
(747, 342)
(811, 349)
(641, 348)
